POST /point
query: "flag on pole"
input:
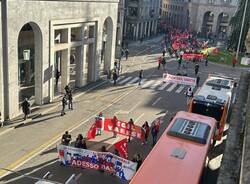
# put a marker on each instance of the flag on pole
(92, 132)
(122, 147)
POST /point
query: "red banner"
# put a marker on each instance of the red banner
(192, 56)
(122, 147)
(123, 128)
(92, 132)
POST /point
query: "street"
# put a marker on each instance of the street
(31, 149)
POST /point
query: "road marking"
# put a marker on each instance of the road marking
(28, 156)
(157, 100)
(164, 86)
(171, 87)
(110, 145)
(137, 119)
(155, 84)
(147, 83)
(133, 108)
(133, 81)
(180, 89)
(125, 80)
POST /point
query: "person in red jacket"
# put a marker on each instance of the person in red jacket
(146, 130)
(234, 61)
(114, 121)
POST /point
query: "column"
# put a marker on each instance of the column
(149, 28)
(142, 29)
(145, 29)
(155, 28)
(91, 62)
(215, 23)
(80, 82)
(137, 31)
(65, 68)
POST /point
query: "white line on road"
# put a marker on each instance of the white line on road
(147, 83)
(116, 139)
(180, 89)
(137, 119)
(164, 86)
(125, 80)
(133, 81)
(171, 87)
(156, 84)
(157, 100)
(133, 108)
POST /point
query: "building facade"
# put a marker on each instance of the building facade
(141, 18)
(175, 14)
(46, 45)
(212, 17)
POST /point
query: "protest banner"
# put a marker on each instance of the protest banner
(179, 79)
(122, 147)
(192, 56)
(123, 128)
(82, 158)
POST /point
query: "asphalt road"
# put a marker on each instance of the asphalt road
(32, 148)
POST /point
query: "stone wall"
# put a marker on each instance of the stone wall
(231, 161)
(1, 68)
(247, 42)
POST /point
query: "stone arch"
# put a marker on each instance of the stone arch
(29, 44)
(107, 38)
(222, 25)
(207, 23)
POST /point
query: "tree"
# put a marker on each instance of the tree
(236, 22)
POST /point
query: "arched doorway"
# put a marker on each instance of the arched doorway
(207, 24)
(29, 63)
(222, 25)
(106, 53)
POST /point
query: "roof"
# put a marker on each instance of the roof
(174, 159)
(215, 89)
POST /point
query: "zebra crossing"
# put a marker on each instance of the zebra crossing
(153, 84)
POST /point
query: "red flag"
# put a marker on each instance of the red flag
(61, 153)
(92, 132)
(122, 147)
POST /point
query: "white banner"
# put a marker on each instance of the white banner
(179, 79)
(75, 157)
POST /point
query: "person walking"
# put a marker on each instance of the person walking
(206, 60)
(126, 53)
(234, 61)
(196, 68)
(66, 138)
(114, 121)
(78, 142)
(164, 52)
(57, 76)
(67, 89)
(154, 133)
(163, 62)
(140, 76)
(70, 99)
(131, 124)
(159, 62)
(99, 123)
(115, 77)
(26, 108)
(64, 103)
(197, 80)
(189, 94)
(146, 130)
(179, 62)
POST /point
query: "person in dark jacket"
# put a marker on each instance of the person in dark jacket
(26, 108)
(64, 103)
(78, 142)
(66, 138)
(70, 98)
(154, 133)
(115, 77)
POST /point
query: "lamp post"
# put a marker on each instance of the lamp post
(241, 30)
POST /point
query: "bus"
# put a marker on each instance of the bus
(213, 99)
(180, 154)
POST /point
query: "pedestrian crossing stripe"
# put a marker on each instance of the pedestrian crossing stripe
(125, 80)
(133, 80)
(163, 86)
(147, 83)
(172, 87)
(155, 84)
(180, 89)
